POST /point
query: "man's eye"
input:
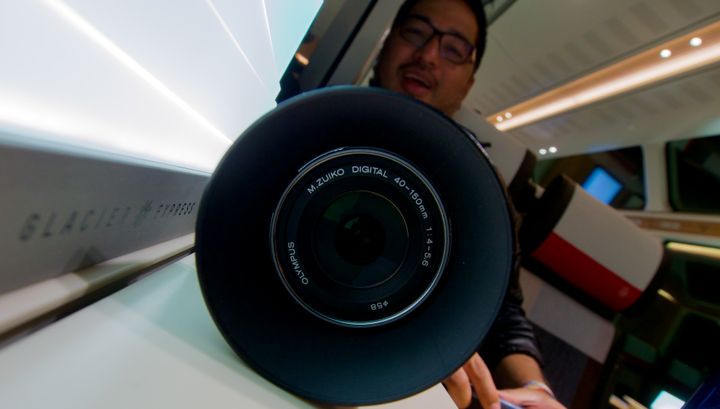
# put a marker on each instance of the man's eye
(453, 52)
(414, 34)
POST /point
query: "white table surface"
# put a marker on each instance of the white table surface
(150, 345)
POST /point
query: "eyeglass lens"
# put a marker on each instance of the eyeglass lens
(453, 47)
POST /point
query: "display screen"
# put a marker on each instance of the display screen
(602, 186)
(666, 400)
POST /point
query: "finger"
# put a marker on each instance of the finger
(531, 398)
(514, 396)
(482, 382)
(458, 387)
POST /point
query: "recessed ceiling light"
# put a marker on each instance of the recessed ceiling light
(665, 53)
(543, 151)
(696, 41)
(499, 118)
(508, 115)
(552, 149)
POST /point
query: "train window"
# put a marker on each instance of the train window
(614, 177)
(325, 44)
(143, 82)
(693, 171)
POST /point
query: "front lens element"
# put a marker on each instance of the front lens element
(361, 239)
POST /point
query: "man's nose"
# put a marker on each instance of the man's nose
(430, 52)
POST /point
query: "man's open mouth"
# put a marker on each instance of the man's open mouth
(416, 84)
(417, 79)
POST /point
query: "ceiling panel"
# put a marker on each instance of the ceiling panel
(682, 108)
(537, 45)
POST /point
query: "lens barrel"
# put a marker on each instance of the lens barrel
(354, 246)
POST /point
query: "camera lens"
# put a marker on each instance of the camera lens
(359, 237)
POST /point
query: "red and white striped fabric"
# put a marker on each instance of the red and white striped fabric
(599, 251)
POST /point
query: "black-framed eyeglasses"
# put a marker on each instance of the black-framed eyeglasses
(418, 31)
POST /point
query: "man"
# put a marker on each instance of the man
(432, 53)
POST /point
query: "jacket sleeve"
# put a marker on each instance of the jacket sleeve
(511, 333)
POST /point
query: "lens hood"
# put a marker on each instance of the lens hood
(408, 159)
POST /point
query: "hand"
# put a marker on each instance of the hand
(474, 374)
(530, 398)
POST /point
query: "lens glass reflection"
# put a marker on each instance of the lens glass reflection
(361, 239)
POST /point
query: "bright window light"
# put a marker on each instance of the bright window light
(666, 53)
(133, 81)
(123, 58)
(666, 400)
(234, 40)
(287, 22)
(543, 151)
(696, 42)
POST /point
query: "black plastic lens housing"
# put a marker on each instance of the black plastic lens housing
(331, 205)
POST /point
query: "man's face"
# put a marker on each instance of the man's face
(422, 72)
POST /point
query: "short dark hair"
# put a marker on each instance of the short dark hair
(475, 5)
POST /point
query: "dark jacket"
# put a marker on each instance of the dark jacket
(511, 332)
